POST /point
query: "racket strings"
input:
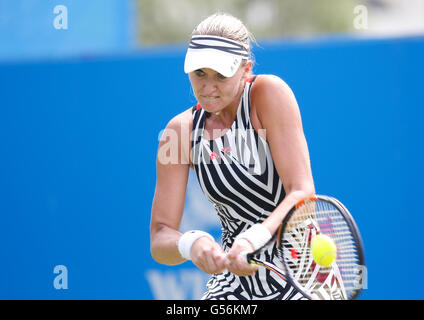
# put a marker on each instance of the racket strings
(339, 280)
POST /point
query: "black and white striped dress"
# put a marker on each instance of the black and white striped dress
(237, 174)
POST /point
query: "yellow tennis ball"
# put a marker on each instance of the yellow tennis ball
(324, 250)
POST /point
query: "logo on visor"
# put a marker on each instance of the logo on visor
(235, 63)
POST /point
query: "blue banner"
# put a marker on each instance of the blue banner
(78, 155)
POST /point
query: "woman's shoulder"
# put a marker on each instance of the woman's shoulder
(267, 83)
(268, 88)
(176, 136)
(272, 97)
(181, 120)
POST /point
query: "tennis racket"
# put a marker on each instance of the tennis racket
(344, 278)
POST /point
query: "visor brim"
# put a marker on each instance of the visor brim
(222, 62)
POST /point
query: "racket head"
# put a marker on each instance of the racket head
(343, 279)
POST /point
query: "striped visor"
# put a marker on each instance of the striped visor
(220, 54)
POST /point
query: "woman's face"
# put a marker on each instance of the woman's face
(213, 91)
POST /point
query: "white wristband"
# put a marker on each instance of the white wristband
(187, 239)
(258, 235)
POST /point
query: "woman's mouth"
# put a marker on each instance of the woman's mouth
(210, 97)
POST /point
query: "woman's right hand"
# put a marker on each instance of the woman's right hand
(208, 256)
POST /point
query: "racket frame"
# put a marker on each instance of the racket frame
(284, 274)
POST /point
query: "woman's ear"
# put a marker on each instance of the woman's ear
(247, 68)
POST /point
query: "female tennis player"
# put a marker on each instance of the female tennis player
(246, 144)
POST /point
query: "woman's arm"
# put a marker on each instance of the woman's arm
(278, 113)
(168, 203)
(169, 198)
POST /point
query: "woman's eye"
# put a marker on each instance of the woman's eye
(220, 76)
(199, 73)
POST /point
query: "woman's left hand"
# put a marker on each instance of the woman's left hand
(235, 262)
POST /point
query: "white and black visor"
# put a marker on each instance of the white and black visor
(220, 54)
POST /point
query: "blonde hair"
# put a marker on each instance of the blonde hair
(227, 26)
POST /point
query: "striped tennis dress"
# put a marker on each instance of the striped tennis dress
(237, 174)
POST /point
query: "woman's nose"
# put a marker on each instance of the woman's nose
(208, 87)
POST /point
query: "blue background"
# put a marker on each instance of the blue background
(77, 162)
(94, 28)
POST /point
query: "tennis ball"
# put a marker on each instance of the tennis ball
(324, 250)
